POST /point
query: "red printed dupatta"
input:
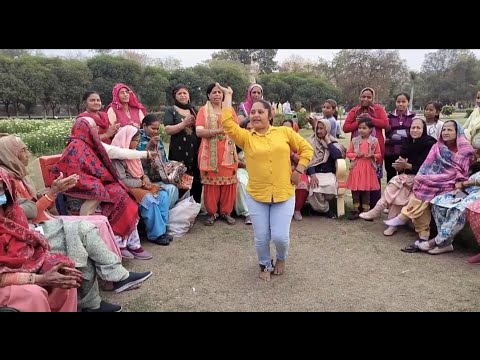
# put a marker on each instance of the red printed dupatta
(22, 249)
(86, 156)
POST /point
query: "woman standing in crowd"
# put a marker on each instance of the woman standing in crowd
(378, 116)
(400, 120)
(432, 118)
(125, 109)
(179, 123)
(93, 105)
(271, 192)
(254, 93)
(217, 159)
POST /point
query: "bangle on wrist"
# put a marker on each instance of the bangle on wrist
(48, 198)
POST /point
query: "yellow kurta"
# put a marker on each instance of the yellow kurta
(267, 157)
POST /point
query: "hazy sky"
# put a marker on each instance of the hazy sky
(191, 57)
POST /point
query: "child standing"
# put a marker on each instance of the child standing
(432, 118)
(329, 109)
(364, 154)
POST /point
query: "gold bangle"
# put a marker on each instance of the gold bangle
(48, 198)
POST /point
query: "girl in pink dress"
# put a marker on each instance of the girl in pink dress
(364, 154)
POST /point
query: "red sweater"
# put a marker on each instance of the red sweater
(379, 119)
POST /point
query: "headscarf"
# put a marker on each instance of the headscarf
(320, 147)
(101, 119)
(122, 139)
(247, 104)
(443, 168)
(86, 156)
(22, 249)
(187, 106)
(132, 103)
(416, 146)
(10, 147)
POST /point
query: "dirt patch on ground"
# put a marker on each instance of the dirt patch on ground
(333, 265)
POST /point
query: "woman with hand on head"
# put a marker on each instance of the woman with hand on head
(217, 160)
(271, 183)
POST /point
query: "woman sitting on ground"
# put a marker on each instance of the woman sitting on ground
(153, 200)
(412, 155)
(151, 141)
(447, 163)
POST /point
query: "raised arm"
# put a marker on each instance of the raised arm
(230, 126)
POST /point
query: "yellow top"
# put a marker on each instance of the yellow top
(267, 157)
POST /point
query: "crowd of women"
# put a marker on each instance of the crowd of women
(115, 173)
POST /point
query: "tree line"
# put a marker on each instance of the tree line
(27, 80)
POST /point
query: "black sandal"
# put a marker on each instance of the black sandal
(210, 220)
(264, 268)
(412, 248)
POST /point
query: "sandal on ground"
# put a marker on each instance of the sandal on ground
(412, 248)
(230, 220)
(210, 220)
(248, 221)
(264, 268)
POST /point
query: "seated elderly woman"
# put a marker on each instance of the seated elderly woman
(153, 200)
(412, 155)
(98, 188)
(77, 238)
(321, 169)
(31, 278)
(447, 163)
(150, 140)
(449, 212)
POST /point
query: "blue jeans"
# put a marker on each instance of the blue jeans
(271, 221)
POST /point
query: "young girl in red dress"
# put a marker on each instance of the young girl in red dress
(364, 154)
